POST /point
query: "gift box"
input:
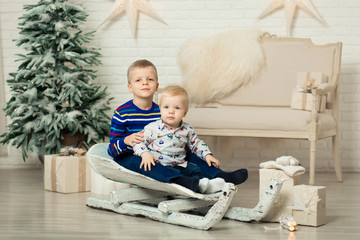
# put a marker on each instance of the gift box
(66, 174)
(309, 205)
(303, 101)
(302, 98)
(103, 186)
(309, 80)
(285, 198)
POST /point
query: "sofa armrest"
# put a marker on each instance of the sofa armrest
(324, 88)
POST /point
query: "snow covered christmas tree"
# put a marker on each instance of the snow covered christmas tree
(52, 90)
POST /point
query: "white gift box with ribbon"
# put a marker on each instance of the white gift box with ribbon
(66, 174)
(302, 98)
(309, 205)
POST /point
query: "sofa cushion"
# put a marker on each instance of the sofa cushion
(264, 118)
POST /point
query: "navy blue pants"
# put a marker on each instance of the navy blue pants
(196, 166)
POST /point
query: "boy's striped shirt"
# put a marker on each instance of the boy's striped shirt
(129, 119)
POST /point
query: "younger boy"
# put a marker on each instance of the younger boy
(165, 141)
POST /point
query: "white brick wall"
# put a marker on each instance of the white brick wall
(190, 18)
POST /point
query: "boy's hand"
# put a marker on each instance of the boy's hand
(211, 159)
(147, 161)
(134, 138)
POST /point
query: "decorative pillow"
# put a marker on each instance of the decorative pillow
(213, 67)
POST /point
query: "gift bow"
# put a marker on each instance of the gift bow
(310, 82)
(70, 151)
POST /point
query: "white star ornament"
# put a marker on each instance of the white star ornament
(132, 8)
(290, 6)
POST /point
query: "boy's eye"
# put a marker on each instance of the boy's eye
(150, 79)
(166, 107)
(177, 108)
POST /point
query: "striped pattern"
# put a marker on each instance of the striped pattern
(129, 119)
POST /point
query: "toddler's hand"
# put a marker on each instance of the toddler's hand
(211, 159)
(134, 138)
(147, 161)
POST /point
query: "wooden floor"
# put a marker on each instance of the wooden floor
(29, 212)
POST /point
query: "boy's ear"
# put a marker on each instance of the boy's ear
(185, 112)
(129, 88)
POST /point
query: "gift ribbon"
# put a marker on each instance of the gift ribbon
(309, 82)
(303, 104)
(82, 174)
(53, 173)
(306, 80)
(304, 95)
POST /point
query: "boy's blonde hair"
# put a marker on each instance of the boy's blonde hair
(143, 63)
(175, 90)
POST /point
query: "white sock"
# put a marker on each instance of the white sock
(203, 185)
(215, 185)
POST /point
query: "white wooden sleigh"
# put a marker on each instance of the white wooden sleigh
(171, 203)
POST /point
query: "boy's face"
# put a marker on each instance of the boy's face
(172, 109)
(143, 82)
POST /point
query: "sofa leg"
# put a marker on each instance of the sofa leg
(312, 162)
(336, 153)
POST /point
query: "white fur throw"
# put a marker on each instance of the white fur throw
(216, 66)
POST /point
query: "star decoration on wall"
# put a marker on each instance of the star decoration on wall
(290, 6)
(132, 9)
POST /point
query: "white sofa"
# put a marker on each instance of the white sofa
(263, 109)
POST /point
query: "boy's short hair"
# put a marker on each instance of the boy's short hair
(175, 90)
(143, 63)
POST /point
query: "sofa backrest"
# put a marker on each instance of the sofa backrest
(285, 57)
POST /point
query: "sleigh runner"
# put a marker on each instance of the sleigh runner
(169, 202)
